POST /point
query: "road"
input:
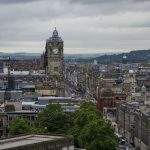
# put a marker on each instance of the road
(72, 91)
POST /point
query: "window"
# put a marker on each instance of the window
(55, 68)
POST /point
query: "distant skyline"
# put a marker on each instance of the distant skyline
(86, 26)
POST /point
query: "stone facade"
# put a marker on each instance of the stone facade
(133, 123)
(54, 63)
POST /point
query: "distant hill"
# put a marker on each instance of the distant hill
(20, 56)
(88, 55)
(138, 56)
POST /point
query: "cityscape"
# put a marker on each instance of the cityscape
(65, 95)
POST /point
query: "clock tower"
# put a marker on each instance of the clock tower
(55, 62)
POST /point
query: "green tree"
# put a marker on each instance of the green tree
(23, 126)
(97, 135)
(90, 130)
(19, 126)
(54, 119)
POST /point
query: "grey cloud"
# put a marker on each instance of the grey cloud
(108, 7)
(83, 24)
(89, 2)
(17, 1)
(93, 1)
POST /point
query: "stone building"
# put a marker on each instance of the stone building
(133, 121)
(142, 130)
(126, 122)
(54, 63)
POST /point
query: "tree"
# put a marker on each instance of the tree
(97, 135)
(19, 126)
(90, 130)
(23, 126)
(54, 119)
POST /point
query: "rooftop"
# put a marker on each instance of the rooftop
(27, 140)
(22, 112)
(55, 37)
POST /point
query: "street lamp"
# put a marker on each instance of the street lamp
(97, 91)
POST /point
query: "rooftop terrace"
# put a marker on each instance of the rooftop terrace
(34, 141)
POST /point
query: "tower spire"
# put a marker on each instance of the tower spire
(9, 66)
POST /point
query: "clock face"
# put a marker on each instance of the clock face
(55, 50)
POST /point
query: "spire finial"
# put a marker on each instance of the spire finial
(55, 28)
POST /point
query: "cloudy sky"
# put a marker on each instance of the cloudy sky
(86, 26)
